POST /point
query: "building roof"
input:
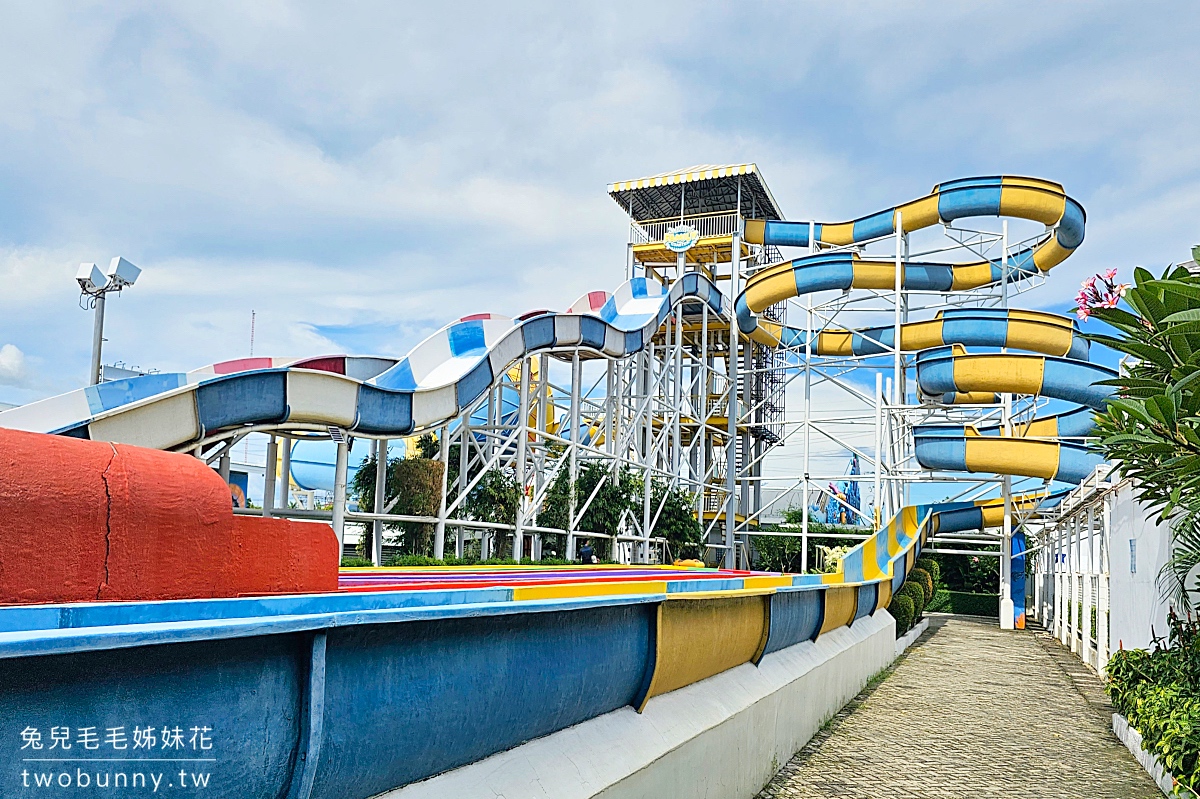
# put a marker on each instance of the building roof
(705, 189)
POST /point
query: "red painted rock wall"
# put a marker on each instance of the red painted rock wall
(86, 521)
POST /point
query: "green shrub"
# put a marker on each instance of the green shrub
(901, 608)
(1159, 692)
(964, 603)
(925, 580)
(932, 566)
(917, 594)
(354, 563)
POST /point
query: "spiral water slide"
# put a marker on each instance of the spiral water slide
(432, 385)
(1052, 362)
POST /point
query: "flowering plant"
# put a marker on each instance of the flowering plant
(1099, 291)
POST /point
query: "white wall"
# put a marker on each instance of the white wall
(1135, 605)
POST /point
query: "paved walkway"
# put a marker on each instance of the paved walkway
(970, 711)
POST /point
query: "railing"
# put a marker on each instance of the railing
(708, 225)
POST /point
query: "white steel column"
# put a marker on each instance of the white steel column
(381, 464)
(572, 522)
(731, 466)
(269, 478)
(1102, 644)
(339, 494)
(522, 444)
(1087, 555)
(285, 490)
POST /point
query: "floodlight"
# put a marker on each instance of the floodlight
(90, 278)
(121, 273)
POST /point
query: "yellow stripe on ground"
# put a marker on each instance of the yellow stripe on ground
(570, 591)
(773, 581)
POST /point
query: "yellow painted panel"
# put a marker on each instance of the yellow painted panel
(1012, 456)
(874, 274)
(885, 594)
(1050, 254)
(840, 605)
(919, 214)
(835, 342)
(525, 593)
(910, 557)
(970, 276)
(972, 398)
(1039, 337)
(1043, 203)
(921, 335)
(1038, 428)
(1040, 316)
(993, 515)
(755, 229)
(767, 333)
(1018, 374)
(775, 286)
(841, 233)
(1021, 180)
(870, 563)
(702, 638)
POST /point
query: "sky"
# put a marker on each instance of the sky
(357, 175)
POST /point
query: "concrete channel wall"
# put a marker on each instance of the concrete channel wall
(724, 736)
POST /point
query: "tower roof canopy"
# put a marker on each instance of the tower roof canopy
(700, 189)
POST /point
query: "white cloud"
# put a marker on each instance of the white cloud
(12, 366)
(395, 166)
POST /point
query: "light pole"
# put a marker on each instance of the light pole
(95, 285)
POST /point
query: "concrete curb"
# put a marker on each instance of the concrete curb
(906, 640)
(1133, 742)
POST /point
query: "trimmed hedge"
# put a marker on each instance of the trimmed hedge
(901, 608)
(356, 562)
(932, 566)
(917, 594)
(966, 604)
(925, 580)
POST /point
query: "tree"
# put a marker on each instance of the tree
(415, 484)
(1152, 427)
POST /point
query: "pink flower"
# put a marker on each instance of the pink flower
(1083, 313)
(1121, 289)
(1110, 275)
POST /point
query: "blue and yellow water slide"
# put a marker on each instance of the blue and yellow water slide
(1052, 362)
(350, 694)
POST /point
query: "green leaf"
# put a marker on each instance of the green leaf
(1190, 315)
